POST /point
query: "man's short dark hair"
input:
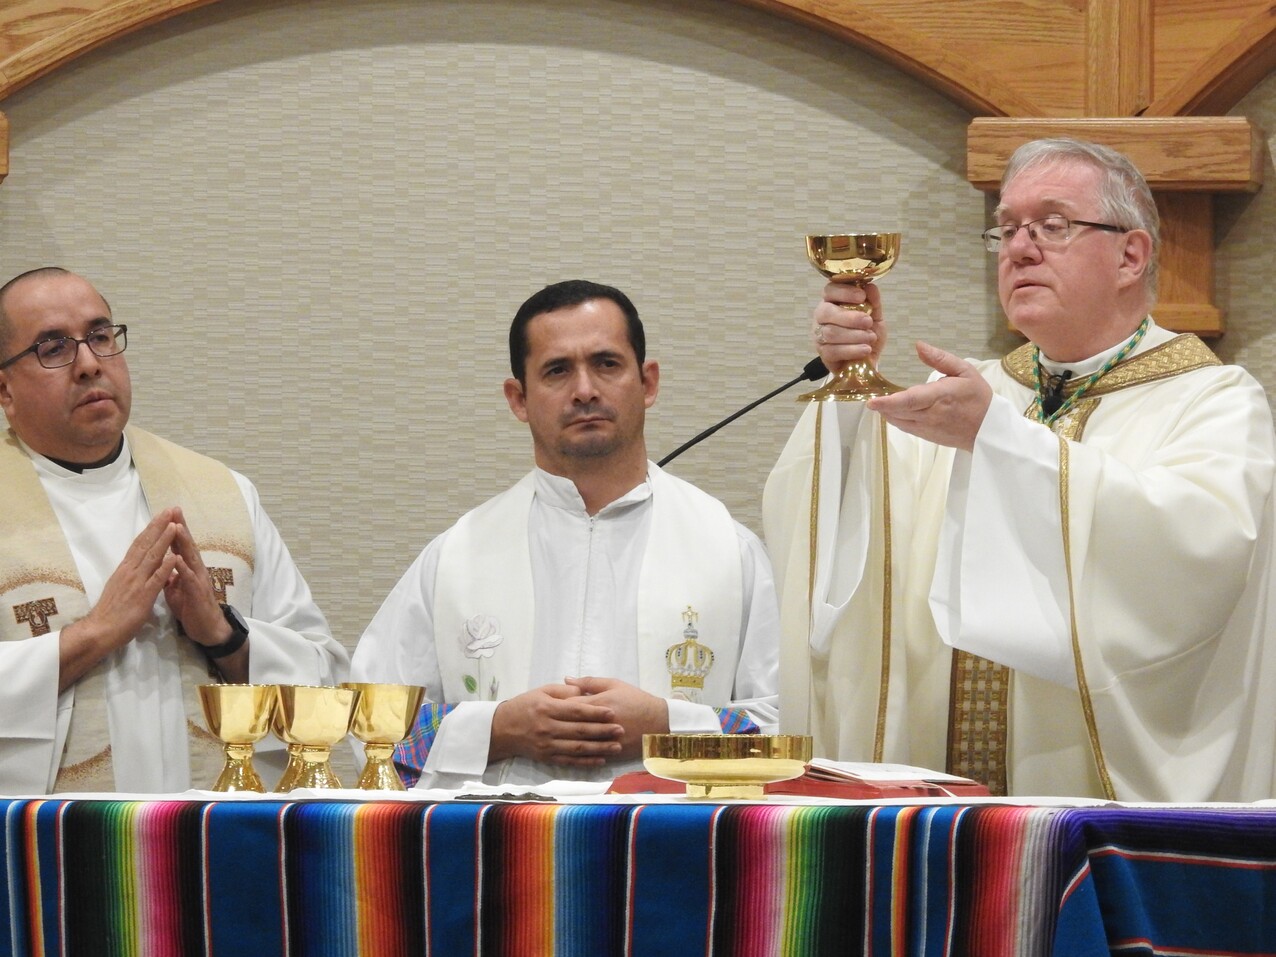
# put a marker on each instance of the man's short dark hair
(562, 295)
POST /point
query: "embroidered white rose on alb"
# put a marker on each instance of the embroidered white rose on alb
(480, 637)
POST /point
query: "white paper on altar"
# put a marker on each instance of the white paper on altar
(882, 773)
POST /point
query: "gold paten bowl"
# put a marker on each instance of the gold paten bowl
(715, 766)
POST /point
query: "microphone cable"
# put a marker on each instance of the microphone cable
(813, 370)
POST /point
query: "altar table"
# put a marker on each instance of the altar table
(312, 877)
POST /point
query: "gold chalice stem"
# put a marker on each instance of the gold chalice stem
(292, 773)
(378, 773)
(879, 731)
(857, 382)
(238, 774)
(316, 769)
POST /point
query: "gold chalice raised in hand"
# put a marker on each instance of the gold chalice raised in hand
(856, 258)
(314, 719)
(238, 716)
(383, 716)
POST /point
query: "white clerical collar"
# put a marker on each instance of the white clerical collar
(558, 491)
(1086, 366)
(47, 468)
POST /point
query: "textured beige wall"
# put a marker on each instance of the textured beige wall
(318, 218)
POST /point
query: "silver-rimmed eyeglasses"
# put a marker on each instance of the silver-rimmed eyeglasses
(1052, 230)
(102, 341)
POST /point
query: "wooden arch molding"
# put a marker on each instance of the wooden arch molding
(1151, 77)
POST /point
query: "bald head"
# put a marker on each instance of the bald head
(6, 325)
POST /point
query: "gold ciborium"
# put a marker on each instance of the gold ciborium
(383, 716)
(717, 766)
(858, 259)
(238, 716)
(314, 719)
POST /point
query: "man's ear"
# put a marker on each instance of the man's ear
(650, 382)
(517, 400)
(1136, 255)
(6, 396)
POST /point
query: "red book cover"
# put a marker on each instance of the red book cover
(822, 781)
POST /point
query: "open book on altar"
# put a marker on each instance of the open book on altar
(847, 780)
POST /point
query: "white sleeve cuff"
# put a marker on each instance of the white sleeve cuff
(29, 714)
(29, 700)
(463, 741)
(686, 717)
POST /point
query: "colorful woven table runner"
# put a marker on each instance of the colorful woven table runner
(315, 878)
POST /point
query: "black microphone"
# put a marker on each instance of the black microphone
(815, 369)
(1052, 394)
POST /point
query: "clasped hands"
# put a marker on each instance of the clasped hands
(164, 558)
(583, 723)
(946, 411)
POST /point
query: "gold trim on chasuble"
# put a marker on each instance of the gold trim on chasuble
(812, 539)
(879, 738)
(1083, 688)
(1184, 353)
(1181, 354)
(879, 732)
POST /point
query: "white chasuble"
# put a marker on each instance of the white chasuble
(484, 606)
(133, 722)
(1121, 567)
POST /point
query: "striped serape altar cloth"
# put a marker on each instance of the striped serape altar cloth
(235, 878)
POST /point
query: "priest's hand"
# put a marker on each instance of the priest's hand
(637, 711)
(126, 602)
(947, 411)
(190, 596)
(555, 724)
(842, 335)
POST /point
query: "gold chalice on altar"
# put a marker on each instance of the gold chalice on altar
(383, 716)
(313, 719)
(856, 258)
(238, 716)
(717, 766)
(295, 765)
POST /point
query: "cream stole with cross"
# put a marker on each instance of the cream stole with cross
(41, 592)
(483, 596)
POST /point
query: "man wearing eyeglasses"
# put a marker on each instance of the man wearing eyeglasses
(1067, 589)
(131, 570)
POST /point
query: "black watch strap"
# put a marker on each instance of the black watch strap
(238, 634)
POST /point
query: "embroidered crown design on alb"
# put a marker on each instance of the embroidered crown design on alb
(689, 661)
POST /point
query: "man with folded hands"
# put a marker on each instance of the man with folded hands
(131, 569)
(597, 600)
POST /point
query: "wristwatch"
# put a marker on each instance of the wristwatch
(238, 634)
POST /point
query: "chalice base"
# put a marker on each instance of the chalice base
(238, 774)
(293, 770)
(379, 773)
(380, 776)
(316, 771)
(856, 383)
(717, 792)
